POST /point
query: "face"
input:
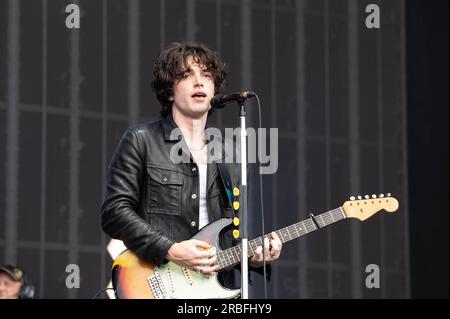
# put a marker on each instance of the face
(194, 91)
(9, 288)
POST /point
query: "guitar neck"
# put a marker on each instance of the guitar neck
(232, 256)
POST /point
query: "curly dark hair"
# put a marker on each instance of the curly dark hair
(171, 65)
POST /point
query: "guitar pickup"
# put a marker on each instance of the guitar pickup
(157, 287)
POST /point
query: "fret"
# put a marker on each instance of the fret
(342, 212)
(311, 226)
(227, 254)
(304, 227)
(283, 239)
(282, 236)
(327, 219)
(219, 261)
(295, 228)
(289, 233)
(232, 256)
(299, 229)
(251, 248)
(332, 216)
(223, 261)
(234, 253)
(323, 222)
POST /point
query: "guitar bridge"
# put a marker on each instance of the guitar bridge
(157, 287)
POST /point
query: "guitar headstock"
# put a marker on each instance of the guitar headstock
(363, 208)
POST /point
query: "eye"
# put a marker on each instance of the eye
(207, 75)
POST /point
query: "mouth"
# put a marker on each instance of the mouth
(200, 96)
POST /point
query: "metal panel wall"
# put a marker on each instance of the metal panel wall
(334, 88)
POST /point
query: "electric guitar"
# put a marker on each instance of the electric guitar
(134, 278)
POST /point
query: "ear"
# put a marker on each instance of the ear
(171, 98)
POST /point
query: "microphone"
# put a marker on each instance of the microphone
(220, 100)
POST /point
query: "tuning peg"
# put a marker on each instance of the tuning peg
(381, 195)
(374, 196)
(388, 194)
(359, 197)
(366, 197)
(352, 197)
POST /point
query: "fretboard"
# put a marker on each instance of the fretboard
(232, 256)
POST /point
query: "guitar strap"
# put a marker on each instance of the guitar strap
(226, 180)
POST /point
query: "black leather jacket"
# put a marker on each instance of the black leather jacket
(150, 203)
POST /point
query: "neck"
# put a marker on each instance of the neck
(232, 256)
(193, 129)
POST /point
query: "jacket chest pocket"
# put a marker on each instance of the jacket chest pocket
(164, 191)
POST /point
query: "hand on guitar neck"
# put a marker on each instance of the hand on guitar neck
(194, 254)
(272, 251)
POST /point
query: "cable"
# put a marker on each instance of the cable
(261, 198)
(103, 290)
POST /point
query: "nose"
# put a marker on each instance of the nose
(198, 80)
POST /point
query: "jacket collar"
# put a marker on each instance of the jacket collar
(169, 125)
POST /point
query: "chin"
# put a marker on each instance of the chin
(200, 109)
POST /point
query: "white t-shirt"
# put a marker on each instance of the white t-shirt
(203, 214)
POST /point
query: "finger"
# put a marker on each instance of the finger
(198, 269)
(212, 252)
(205, 261)
(258, 254)
(212, 260)
(275, 246)
(199, 254)
(266, 246)
(258, 250)
(264, 255)
(274, 253)
(276, 239)
(210, 271)
(201, 244)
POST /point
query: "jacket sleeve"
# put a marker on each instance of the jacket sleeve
(260, 270)
(119, 217)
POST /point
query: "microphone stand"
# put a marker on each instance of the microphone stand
(243, 200)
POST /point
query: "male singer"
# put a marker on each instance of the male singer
(155, 204)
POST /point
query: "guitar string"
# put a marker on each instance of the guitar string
(327, 219)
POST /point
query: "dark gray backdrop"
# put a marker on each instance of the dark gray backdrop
(335, 89)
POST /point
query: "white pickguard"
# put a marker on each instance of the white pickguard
(183, 283)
